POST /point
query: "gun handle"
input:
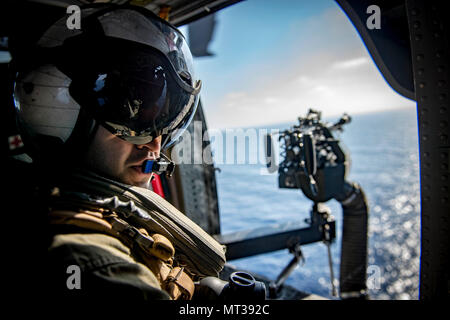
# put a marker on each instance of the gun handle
(270, 154)
(309, 150)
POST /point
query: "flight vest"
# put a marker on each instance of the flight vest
(172, 246)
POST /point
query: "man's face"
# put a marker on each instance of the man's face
(120, 159)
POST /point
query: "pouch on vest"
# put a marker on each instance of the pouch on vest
(155, 250)
(195, 249)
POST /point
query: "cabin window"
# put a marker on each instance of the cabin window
(272, 62)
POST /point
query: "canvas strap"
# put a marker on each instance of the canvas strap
(157, 251)
(196, 250)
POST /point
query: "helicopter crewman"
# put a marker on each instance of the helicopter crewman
(95, 107)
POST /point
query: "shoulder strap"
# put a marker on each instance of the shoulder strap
(195, 249)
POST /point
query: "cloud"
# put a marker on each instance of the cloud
(328, 69)
(352, 63)
(236, 95)
(271, 100)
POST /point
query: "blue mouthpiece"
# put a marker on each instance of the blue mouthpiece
(147, 166)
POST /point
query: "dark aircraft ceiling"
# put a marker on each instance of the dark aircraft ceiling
(181, 11)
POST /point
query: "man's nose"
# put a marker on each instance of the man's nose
(152, 146)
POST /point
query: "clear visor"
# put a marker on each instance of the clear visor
(146, 29)
(133, 91)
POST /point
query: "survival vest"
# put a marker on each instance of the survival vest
(176, 249)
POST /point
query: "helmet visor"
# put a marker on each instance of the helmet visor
(142, 26)
(134, 91)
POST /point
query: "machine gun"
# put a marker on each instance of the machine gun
(314, 162)
(313, 159)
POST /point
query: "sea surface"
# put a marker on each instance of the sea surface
(385, 161)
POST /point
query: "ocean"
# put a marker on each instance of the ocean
(384, 155)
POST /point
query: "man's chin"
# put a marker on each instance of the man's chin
(137, 178)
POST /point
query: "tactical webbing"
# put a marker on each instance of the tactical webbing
(156, 250)
(201, 255)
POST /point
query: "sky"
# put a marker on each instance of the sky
(275, 59)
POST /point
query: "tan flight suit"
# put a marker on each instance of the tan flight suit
(109, 265)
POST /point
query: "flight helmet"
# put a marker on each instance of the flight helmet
(125, 69)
